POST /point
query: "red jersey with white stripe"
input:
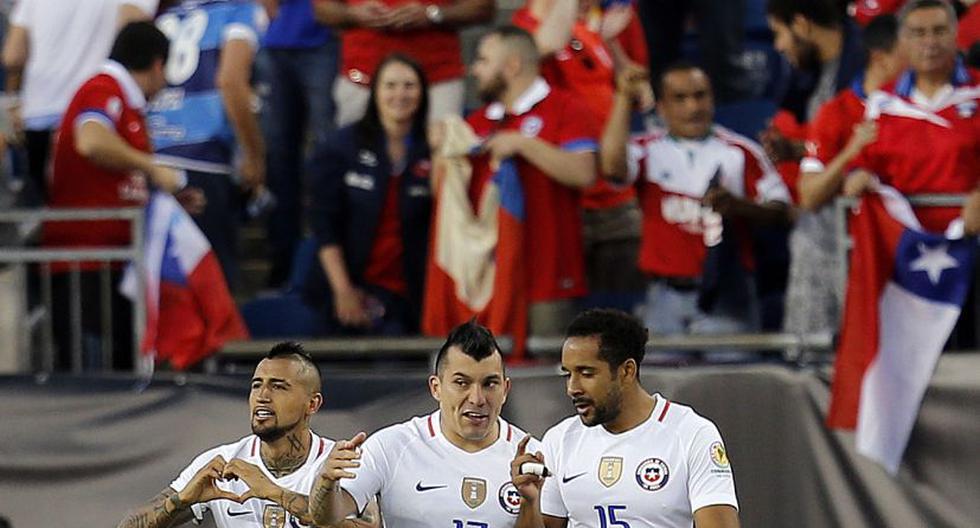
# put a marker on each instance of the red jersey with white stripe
(926, 147)
(585, 69)
(423, 480)
(673, 175)
(553, 225)
(257, 513)
(656, 474)
(831, 129)
(112, 99)
(437, 50)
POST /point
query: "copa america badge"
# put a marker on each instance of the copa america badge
(652, 474)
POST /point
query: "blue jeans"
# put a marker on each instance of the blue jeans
(297, 108)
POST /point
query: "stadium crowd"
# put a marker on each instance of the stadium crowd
(586, 164)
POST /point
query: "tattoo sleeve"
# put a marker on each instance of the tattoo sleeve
(163, 511)
(296, 504)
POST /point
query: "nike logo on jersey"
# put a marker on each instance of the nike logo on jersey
(566, 480)
(238, 513)
(420, 488)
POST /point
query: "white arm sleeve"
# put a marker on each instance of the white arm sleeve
(710, 481)
(552, 503)
(373, 473)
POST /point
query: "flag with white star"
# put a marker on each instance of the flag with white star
(905, 290)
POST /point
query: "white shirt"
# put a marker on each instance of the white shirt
(68, 43)
(656, 474)
(424, 481)
(254, 513)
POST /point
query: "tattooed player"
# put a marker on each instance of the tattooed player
(264, 479)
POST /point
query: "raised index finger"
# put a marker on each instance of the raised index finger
(523, 444)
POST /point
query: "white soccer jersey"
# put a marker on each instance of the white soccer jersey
(254, 513)
(424, 481)
(656, 474)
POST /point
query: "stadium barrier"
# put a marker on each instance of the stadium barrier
(37, 325)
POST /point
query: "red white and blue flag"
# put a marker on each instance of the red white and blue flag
(476, 264)
(904, 294)
(189, 310)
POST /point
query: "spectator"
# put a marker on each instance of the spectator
(927, 118)
(577, 58)
(298, 66)
(371, 29)
(551, 137)
(102, 158)
(51, 48)
(694, 178)
(721, 28)
(371, 207)
(823, 47)
(927, 122)
(836, 137)
(206, 112)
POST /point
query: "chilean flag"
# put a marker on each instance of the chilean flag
(904, 294)
(189, 311)
(476, 259)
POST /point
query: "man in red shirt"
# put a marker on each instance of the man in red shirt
(578, 56)
(552, 138)
(927, 118)
(428, 31)
(102, 158)
(699, 184)
(835, 138)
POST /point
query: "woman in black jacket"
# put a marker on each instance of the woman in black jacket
(371, 208)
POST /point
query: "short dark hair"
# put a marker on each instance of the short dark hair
(621, 336)
(676, 66)
(470, 338)
(880, 34)
(915, 5)
(138, 45)
(824, 13)
(295, 351)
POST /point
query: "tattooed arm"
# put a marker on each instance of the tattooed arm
(261, 487)
(164, 511)
(172, 508)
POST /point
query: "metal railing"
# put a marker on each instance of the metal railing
(41, 314)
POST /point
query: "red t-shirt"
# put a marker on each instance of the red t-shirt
(673, 176)
(968, 30)
(385, 267)
(831, 129)
(585, 69)
(865, 10)
(113, 99)
(437, 50)
(926, 150)
(553, 225)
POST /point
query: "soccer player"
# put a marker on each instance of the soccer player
(446, 469)
(629, 458)
(264, 478)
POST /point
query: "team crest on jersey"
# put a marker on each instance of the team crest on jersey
(719, 456)
(531, 126)
(652, 474)
(273, 516)
(610, 469)
(474, 492)
(510, 498)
